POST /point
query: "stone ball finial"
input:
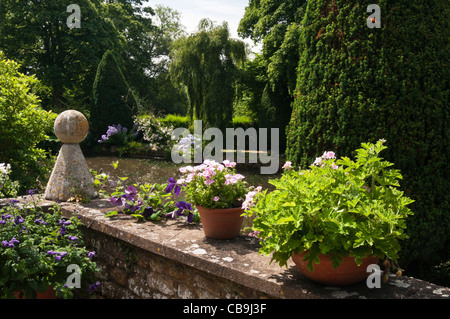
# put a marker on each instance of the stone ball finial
(71, 127)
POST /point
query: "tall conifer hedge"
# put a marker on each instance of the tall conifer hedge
(359, 84)
(113, 100)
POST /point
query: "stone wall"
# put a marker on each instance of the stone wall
(129, 272)
(173, 259)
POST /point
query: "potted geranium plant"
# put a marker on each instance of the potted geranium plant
(36, 250)
(336, 214)
(218, 193)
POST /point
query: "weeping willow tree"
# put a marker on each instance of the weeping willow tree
(206, 64)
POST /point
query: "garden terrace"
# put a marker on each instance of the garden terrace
(173, 259)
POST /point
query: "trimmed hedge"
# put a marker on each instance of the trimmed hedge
(243, 121)
(175, 121)
(357, 84)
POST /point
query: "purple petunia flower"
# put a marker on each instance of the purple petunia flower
(182, 207)
(18, 220)
(11, 243)
(172, 185)
(132, 191)
(32, 192)
(93, 287)
(40, 221)
(58, 255)
(117, 201)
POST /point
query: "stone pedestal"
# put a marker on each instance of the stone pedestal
(70, 175)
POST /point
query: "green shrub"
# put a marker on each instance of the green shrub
(360, 84)
(8, 188)
(23, 124)
(243, 121)
(175, 121)
(157, 135)
(113, 100)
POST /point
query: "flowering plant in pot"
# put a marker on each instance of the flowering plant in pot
(36, 251)
(334, 211)
(218, 193)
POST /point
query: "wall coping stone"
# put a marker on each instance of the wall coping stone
(236, 260)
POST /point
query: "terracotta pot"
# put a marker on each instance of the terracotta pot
(221, 223)
(347, 273)
(48, 294)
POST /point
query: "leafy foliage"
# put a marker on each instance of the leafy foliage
(8, 188)
(359, 84)
(156, 132)
(335, 207)
(64, 60)
(175, 121)
(151, 202)
(206, 64)
(23, 124)
(36, 249)
(113, 100)
(268, 81)
(144, 57)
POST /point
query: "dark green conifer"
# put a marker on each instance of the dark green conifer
(113, 100)
(359, 84)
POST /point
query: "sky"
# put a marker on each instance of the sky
(192, 11)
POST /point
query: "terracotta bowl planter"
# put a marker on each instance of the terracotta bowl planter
(221, 223)
(347, 273)
(48, 294)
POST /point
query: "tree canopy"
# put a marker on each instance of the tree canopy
(206, 63)
(65, 60)
(277, 25)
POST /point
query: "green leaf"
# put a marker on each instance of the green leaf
(285, 220)
(138, 216)
(289, 204)
(111, 214)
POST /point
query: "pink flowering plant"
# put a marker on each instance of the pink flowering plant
(335, 207)
(213, 185)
